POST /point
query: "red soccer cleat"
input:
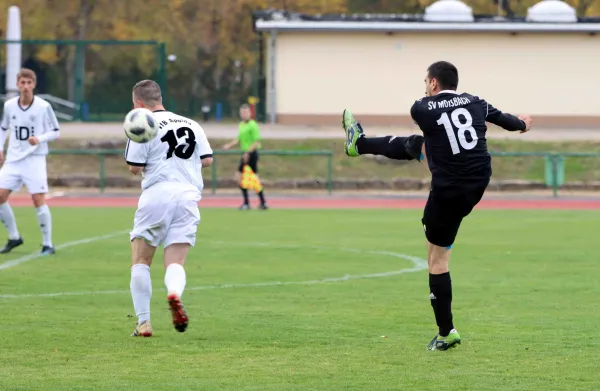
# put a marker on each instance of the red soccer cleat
(180, 319)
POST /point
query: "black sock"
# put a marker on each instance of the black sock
(245, 195)
(440, 287)
(261, 195)
(397, 148)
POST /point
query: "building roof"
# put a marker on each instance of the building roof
(444, 15)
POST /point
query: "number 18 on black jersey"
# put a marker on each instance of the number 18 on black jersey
(454, 128)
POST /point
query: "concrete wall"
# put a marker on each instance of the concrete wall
(378, 76)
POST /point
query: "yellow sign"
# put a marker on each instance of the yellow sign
(253, 100)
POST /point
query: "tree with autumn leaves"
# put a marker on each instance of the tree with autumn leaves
(213, 40)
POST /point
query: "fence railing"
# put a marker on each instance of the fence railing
(92, 97)
(102, 153)
(554, 163)
(327, 154)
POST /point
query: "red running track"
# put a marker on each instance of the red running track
(319, 203)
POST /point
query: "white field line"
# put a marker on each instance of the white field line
(33, 256)
(418, 264)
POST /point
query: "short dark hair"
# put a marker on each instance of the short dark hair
(26, 73)
(148, 91)
(445, 73)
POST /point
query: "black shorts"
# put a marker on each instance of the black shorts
(252, 162)
(446, 207)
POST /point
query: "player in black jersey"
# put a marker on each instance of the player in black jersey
(455, 148)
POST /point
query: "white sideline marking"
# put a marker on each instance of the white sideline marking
(32, 256)
(418, 265)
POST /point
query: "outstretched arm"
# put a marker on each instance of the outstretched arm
(507, 121)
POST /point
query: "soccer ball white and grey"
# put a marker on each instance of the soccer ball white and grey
(140, 125)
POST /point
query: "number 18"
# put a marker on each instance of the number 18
(463, 128)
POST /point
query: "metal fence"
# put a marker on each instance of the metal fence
(554, 163)
(90, 80)
(101, 154)
(555, 170)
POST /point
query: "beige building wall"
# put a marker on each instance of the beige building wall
(379, 76)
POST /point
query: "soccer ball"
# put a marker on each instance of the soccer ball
(140, 125)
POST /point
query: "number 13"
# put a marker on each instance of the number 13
(463, 128)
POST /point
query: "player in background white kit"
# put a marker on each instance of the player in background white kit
(167, 212)
(30, 123)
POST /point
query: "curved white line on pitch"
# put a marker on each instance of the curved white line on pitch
(419, 264)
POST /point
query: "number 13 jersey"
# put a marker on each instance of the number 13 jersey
(174, 155)
(454, 128)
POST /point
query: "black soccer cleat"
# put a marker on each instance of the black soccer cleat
(47, 250)
(12, 243)
(263, 207)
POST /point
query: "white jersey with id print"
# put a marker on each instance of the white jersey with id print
(172, 180)
(19, 123)
(25, 163)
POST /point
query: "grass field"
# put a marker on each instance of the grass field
(278, 167)
(525, 302)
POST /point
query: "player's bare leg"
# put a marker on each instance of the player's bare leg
(175, 281)
(45, 220)
(10, 223)
(141, 285)
(440, 296)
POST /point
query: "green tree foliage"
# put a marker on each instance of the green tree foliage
(214, 41)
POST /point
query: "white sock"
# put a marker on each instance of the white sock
(8, 219)
(45, 219)
(175, 279)
(141, 291)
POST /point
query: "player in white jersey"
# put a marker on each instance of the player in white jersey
(30, 123)
(167, 212)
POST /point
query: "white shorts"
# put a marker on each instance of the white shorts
(167, 214)
(30, 171)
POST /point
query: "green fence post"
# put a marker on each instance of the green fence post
(554, 176)
(213, 180)
(329, 173)
(162, 70)
(79, 75)
(102, 173)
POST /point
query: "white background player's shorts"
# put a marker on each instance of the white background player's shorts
(29, 171)
(167, 213)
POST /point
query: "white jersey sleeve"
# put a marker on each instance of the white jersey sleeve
(204, 149)
(136, 154)
(5, 116)
(4, 126)
(51, 121)
(51, 127)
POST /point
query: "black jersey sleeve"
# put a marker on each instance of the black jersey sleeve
(415, 112)
(504, 120)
